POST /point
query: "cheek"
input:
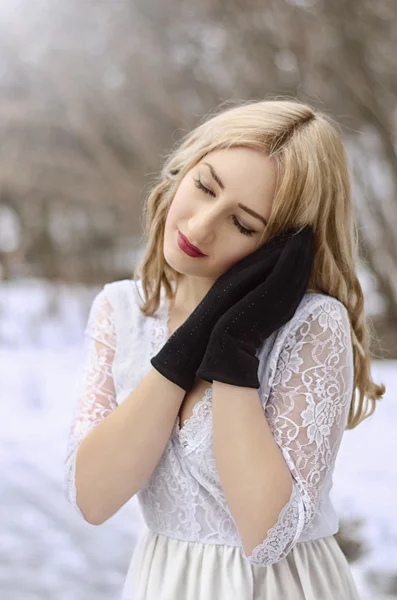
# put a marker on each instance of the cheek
(177, 208)
(230, 258)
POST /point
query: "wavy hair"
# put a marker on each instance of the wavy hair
(313, 188)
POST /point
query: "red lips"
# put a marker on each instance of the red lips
(187, 247)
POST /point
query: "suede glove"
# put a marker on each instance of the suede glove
(181, 355)
(230, 356)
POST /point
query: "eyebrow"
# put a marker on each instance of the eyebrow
(221, 185)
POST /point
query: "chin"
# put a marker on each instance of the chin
(175, 259)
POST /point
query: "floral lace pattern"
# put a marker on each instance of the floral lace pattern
(307, 412)
(190, 435)
(278, 538)
(96, 394)
(306, 374)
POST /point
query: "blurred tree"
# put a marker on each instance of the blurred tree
(94, 94)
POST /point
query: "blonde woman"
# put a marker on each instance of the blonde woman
(219, 381)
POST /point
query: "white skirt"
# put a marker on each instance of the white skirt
(164, 568)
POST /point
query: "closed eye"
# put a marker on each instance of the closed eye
(243, 230)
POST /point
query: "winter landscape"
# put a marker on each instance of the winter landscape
(47, 552)
(93, 95)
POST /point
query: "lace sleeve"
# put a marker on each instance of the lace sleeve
(96, 396)
(307, 411)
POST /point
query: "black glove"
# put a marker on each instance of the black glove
(181, 355)
(230, 356)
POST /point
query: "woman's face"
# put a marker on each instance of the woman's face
(213, 221)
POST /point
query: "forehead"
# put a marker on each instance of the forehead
(243, 170)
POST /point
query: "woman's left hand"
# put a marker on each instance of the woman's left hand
(230, 356)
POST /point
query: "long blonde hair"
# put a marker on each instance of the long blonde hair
(313, 188)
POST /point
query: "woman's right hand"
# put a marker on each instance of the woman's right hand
(181, 355)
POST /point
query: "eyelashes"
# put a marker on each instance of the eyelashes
(243, 230)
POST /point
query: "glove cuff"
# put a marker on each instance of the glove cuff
(227, 360)
(184, 380)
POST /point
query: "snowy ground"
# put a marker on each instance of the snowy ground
(47, 552)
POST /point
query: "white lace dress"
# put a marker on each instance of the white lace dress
(192, 549)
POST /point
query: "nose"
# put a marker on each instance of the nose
(201, 227)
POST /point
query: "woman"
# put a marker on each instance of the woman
(222, 399)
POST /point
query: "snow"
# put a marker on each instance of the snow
(46, 549)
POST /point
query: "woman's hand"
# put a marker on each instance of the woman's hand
(181, 355)
(230, 356)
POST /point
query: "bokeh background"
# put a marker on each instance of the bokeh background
(93, 93)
